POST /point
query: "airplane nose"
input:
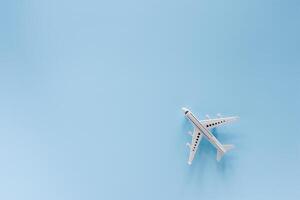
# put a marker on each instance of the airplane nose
(185, 110)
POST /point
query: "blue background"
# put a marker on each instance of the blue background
(91, 91)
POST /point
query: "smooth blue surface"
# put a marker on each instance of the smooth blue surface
(91, 91)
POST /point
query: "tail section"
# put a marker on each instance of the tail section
(220, 154)
(228, 147)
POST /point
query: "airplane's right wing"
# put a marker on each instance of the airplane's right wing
(212, 123)
(197, 136)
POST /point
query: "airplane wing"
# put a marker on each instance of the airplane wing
(197, 136)
(212, 123)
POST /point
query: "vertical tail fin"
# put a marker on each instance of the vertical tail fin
(227, 147)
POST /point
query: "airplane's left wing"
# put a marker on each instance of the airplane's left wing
(212, 123)
(197, 136)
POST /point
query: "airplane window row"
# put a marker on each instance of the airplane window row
(208, 125)
(196, 141)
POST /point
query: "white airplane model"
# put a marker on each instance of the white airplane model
(202, 128)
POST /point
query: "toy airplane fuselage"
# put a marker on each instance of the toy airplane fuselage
(202, 128)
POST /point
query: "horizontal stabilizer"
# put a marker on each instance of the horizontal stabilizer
(227, 147)
(220, 154)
